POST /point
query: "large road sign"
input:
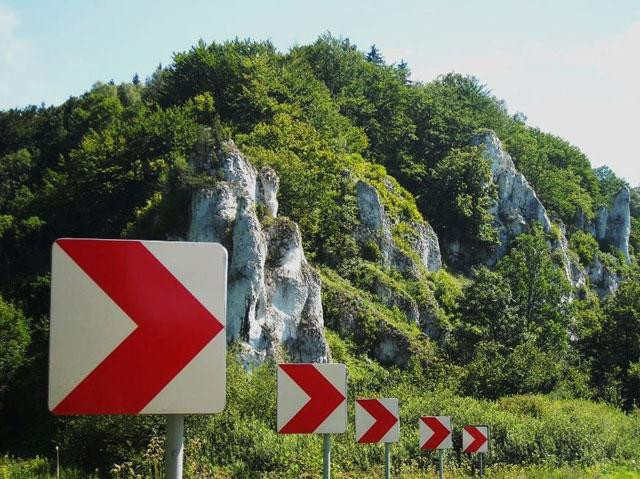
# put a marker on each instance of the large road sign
(475, 439)
(377, 420)
(435, 433)
(137, 327)
(312, 398)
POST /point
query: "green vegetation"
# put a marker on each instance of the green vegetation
(553, 369)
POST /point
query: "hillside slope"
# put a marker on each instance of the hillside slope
(413, 230)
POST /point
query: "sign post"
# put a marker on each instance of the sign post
(137, 327)
(326, 459)
(174, 449)
(435, 434)
(312, 399)
(475, 440)
(378, 420)
(387, 460)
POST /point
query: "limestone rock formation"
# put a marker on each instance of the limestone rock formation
(612, 225)
(376, 226)
(604, 280)
(518, 208)
(421, 252)
(274, 303)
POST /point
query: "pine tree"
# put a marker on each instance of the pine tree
(374, 56)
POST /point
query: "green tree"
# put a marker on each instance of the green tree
(486, 314)
(616, 346)
(540, 290)
(14, 338)
(462, 183)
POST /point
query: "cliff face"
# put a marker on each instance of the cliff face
(612, 225)
(376, 226)
(518, 208)
(274, 302)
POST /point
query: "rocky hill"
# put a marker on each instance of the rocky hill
(418, 232)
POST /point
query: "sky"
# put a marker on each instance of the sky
(572, 66)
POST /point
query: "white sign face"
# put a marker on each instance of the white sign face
(312, 398)
(435, 432)
(377, 420)
(475, 439)
(137, 327)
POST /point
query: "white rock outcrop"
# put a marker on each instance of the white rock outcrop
(375, 225)
(612, 225)
(604, 280)
(274, 303)
(518, 207)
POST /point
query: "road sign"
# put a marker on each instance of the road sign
(312, 398)
(475, 439)
(137, 327)
(435, 432)
(377, 420)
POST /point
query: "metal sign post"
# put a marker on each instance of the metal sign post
(326, 465)
(481, 464)
(441, 463)
(387, 460)
(57, 462)
(174, 449)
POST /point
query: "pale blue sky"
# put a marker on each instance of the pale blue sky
(572, 66)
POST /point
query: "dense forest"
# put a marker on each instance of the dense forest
(515, 339)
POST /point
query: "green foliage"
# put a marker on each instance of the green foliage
(14, 338)
(559, 172)
(539, 290)
(123, 161)
(615, 346)
(585, 246)
(496, 371)
(610, 184)
(462, 183)
(487, 313)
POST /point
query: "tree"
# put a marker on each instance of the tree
(616, 346)
(610, 183)
(540, 290)
(14, 338)
(374, 56)
(462, 184)
(486, 313)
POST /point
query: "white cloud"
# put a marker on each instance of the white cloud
(588, 95)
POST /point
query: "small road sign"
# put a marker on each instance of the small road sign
(377, 420)
(435, 432)
(312, 398)
(475, 439)
(137, 327)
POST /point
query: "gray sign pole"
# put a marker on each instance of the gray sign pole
(482, 464)
(441, 463)
(326, 465)
(174, 448)
(57, 462)
(387, 460)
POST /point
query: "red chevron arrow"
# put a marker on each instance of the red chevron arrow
(384, 420)
(440, 432)
(479, 439)
(324, 398)
(172, 328)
